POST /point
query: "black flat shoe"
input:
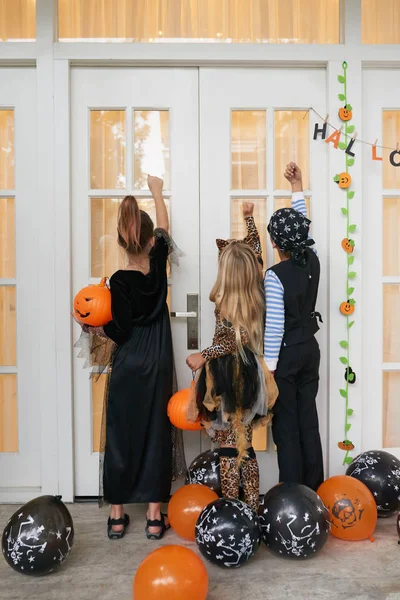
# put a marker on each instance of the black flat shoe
(117, 535)
(157, 523)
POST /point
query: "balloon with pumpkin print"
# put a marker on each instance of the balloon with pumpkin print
(351, 506)
(92, 305)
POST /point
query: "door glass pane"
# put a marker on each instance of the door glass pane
(391, 323)
(391, 138)
(380, 21)
(7, 238)
(287, 203)
(6, 149)
(260, 438)
(8, 329)
(8, 414)
(17, 20)
(238, 226)
(248, 149)
(291, 136)
(151, 148)
(98, 386)
(107, 149)
(391, 409)
(106, 256)
(273, 21)
(391, 233)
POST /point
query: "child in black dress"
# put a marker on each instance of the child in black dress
(138, 448)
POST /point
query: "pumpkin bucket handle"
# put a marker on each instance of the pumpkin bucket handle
(105, 282)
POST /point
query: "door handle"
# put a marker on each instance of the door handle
(192, 317)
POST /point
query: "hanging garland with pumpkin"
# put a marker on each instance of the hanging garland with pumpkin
(347, 307)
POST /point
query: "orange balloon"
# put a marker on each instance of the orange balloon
(185, 507)
(173, 573)
(177, 410)
(352, 507)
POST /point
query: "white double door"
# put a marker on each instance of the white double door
(210, 133)
(20, 420)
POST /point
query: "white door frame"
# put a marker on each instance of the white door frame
(53, 62)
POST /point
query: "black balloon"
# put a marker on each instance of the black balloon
(39, 536)
(205, 470)
(380, 472)
(228, 533)
(294, 521)
(398, 528)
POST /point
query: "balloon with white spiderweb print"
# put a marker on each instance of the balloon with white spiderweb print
(380, 472)
(39, 536)
(294, 521)
(227, 533)
(205, 470)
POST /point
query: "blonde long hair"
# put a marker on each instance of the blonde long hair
(238, 295)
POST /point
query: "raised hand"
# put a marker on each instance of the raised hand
(195, 361)
(155, 185)
(293, 173)
(248, 209)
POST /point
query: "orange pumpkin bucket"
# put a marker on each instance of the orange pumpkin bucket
(92, 304)
(178, 408)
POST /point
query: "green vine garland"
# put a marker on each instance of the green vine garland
(347, 307)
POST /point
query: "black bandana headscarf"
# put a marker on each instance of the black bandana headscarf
(289, 229)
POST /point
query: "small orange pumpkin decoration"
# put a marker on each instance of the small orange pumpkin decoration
(346, 445)
(343, 180)
(347, 308)
(348, 245)
(92, 304)
(177, 410)
(346, 113)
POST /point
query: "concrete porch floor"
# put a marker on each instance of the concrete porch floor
(100, 569)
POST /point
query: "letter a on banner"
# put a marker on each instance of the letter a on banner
(334, 138)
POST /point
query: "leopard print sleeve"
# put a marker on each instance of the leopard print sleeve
(224, 341)
(252, 238)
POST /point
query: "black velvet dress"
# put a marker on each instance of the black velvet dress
(138, 449)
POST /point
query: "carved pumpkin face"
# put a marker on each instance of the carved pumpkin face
(343, 180)
(92, 305)
(346, 445)
(347, 308)
(348, 245)
(345, 113)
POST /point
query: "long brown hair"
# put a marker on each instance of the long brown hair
(238, 296)
(135, 227)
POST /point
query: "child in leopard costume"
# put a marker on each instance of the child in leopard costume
(234, 390)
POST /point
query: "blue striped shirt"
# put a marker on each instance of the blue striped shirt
(275, 305)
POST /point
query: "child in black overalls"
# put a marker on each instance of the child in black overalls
(290, 348)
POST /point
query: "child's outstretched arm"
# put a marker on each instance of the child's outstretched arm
(293, 175)
(156, 187)
(274, 319)
(224, 342)
(252, 238)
